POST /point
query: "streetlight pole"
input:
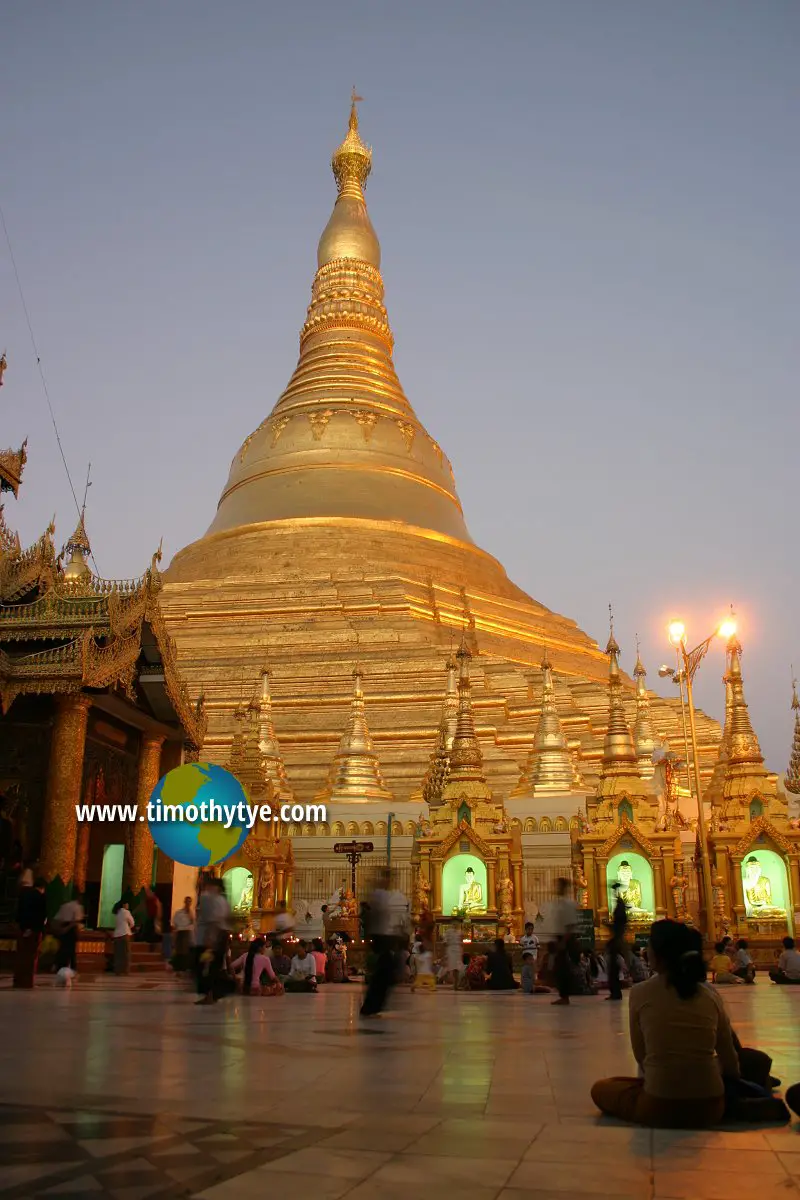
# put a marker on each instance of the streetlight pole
(679, 680)
(690, 660)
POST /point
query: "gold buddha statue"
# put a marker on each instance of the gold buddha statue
(758, 891)
(630, 889)
(470, 894)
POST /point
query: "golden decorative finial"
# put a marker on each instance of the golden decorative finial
(792, 777)
(352, 161)
(355, 772)
(744, 772)
(78, 548)
(612, 648)
(643, 738)
(3, 366)
(549, 767)
(619, 752)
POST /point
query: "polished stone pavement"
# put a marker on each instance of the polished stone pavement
(125, 1089)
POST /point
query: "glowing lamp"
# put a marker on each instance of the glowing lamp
(677, 633)
(727, 629)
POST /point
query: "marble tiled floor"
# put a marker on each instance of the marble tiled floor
(122, 1090)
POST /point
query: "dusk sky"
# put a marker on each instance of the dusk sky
(588, 217)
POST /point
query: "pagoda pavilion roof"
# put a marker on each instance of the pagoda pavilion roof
(60, 634)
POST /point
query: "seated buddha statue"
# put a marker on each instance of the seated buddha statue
(470, 894)
(758, 891)
(630, 889)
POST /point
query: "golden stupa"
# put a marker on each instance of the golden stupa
(339, 539)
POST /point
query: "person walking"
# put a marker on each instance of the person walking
(123, 932)
(183, 929)
(616, 944)
(213, 923)
(69, 919)
(31, 919)
(381, 931)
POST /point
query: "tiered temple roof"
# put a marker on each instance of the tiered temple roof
(63, 629)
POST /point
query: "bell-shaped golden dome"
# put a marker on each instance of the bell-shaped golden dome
(343, 442)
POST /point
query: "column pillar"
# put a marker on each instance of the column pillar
(590, 871)
(491, 884)
(64, 783)
(794, 885)
(659, 888)
(140, 870)
(737, 892)
(435, 880)
(82, 857)
(602, 890)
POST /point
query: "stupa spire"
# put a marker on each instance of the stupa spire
(438, 770)
(792, 777)
(466, 759)
(643, 738)
(745, 772)
(713, 793)
(343, 442)
(550, 767)
(272, 764)
(619, 752)
(355, 772)
(78, 548)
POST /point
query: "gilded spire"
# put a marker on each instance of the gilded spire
(619, 752)
(272, 764)
(352, 161)
(643, 738)
(466, 760)
(342, 440)
(792, 778)
(349, 233)
(78, 548)
(355, 772)
(713, 793)
(549, 767)
(745, 772)
(438, 770)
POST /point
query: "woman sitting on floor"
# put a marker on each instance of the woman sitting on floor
(258, 977)
(681, 1038)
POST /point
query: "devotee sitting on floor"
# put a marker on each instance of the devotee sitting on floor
(320, 958)
(303, 971)
(499, 969)
(255, 973)
(475, 973)
(721, 966)
(743, 965)
(637, 967)
(528, 981)
(788, 968)
(681, 1038)
(281, 963)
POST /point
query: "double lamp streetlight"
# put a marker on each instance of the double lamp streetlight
(688, 663)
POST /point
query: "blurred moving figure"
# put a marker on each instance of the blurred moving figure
(382, 934)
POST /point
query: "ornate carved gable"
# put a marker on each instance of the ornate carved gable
(762, 825)
(626, 828)
(463, 830)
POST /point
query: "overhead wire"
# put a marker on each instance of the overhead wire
(41, 373)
